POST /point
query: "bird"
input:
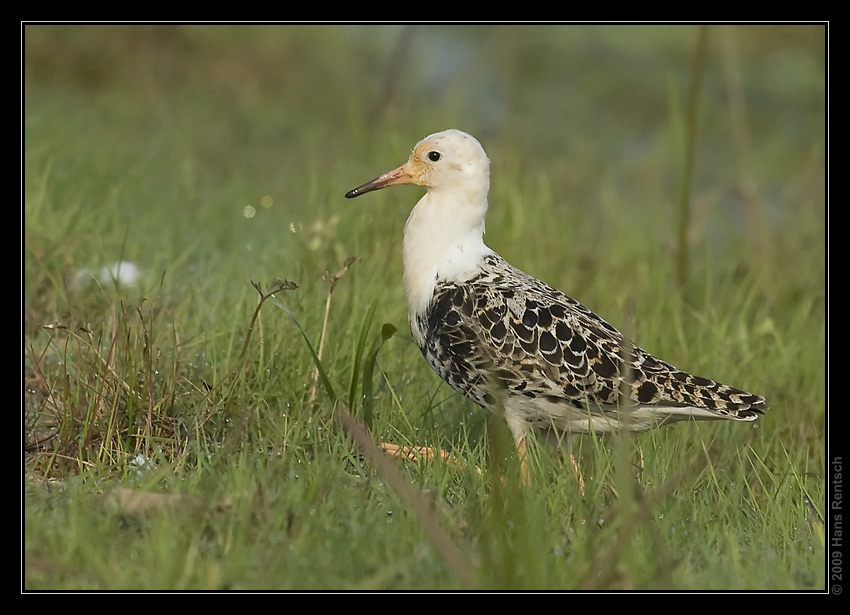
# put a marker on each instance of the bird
(513, 344)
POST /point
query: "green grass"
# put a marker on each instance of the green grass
(175, 436)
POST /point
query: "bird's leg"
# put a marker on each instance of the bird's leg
(556, 440)
(519, 430)
(573, 461)
(414, 453)
(421, 453)
(577, 471)
(523, 460)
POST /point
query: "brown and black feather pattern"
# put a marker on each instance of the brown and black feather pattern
(554, 363)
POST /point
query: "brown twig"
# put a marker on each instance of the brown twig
(413, 498)
(276, 286)
(332, 282)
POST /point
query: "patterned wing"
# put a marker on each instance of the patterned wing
(506, 327)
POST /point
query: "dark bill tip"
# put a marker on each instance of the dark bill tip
(396, 176)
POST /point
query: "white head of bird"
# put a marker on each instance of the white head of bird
(443, 237)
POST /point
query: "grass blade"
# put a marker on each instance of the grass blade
(323, 375)
(358, 352)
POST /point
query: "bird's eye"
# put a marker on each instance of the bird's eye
(434, 156)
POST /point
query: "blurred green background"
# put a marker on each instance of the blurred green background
(194, 116)
(158, 137)
(213, 155)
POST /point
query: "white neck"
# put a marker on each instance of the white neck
(443, 240)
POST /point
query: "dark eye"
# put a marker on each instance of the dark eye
(434, 156)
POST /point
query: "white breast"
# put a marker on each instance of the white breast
(436, 250)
